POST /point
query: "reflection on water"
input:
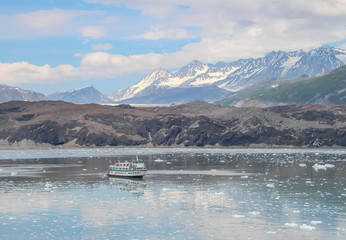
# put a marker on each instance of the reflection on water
(135, 185)
(185, 195)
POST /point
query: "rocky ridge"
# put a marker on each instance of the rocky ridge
(196, 124)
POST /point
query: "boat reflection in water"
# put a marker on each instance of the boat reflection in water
(133, 185)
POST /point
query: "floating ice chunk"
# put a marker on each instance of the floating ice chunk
(254, 213)
(316, 222)
(322, 167)
(158, 160)
(270, 232)
(244, 177)
(302, 165)
(270, 185)
(48, 186)
(238, 216)
(219, 193)
(291, 225)
(14, 173)
(307, 227)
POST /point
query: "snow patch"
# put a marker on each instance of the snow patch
(342, 55)
(212, 77)
(174, 81)
(289, 64)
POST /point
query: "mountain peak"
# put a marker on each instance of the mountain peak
(154, 76)
(161, 72)
(194, 63)
(194, 68)
(325, 48)
(88, 94)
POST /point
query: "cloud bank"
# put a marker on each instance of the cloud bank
(226, 30)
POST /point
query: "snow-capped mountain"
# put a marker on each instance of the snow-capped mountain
(229, 77)
(81, 95)
(8, 93)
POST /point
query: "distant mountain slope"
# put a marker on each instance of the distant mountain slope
(329, 89)
(81, 95)
(8, 93)
(157, 95)
(233, 76)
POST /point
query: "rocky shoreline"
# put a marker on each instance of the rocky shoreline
(196, 124)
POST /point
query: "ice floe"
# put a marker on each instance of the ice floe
(307, 227)
(317, 166)
(291, 225)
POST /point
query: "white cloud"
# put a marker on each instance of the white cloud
(295, 23)
(153, 8)
(94, 32)
(164, 32)
(101, 46)
(23, 72)
(228, 30)
(111, 20)
(48, 20)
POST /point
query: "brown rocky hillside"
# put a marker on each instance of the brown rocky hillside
(200, 124)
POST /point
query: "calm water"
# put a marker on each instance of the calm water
(186, 194)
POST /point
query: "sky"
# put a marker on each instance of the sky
(53, 45)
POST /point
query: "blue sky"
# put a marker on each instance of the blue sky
(51, 45)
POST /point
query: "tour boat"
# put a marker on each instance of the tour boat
(133, 169)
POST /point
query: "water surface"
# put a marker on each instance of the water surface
(186, 194)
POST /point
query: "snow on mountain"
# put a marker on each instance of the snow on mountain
(80, 95)
(341, 55)
(8, 93)
(236, 75)
(155, 78)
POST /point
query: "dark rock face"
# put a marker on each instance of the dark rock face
(194, 124)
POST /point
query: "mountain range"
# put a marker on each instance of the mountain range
(82, 95)
(220, 79)
(200, 81)
(326, 89)
(13, 93)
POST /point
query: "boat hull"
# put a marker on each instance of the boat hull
(126, 174)
(123, 176)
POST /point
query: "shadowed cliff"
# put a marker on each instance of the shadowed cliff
(194, 124)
